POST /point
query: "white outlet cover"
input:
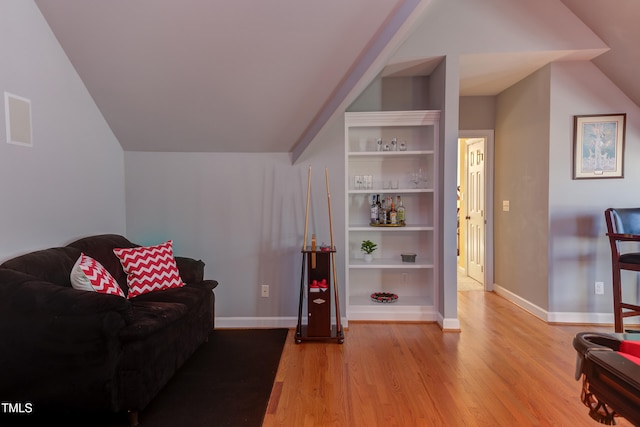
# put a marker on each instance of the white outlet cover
(599, 288)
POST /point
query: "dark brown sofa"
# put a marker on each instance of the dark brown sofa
(68, 349)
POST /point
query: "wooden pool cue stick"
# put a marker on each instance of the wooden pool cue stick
(333, 258)
(306, 214)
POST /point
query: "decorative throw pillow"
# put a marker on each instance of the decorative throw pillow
(149, 268)
(88, 274)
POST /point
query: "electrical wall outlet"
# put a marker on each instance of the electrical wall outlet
(599, 288)
(265, 291)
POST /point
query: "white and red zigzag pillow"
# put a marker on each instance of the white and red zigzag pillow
(88, 274)
(149, 268)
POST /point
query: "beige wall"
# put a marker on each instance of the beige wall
(522, 178)
(477, 112)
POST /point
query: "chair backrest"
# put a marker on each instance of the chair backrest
(623, 221)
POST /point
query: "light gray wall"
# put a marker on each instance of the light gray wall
(244, 216)
(579, 253)
(71, 182)
(522, 178)
(445, 97)
(551, 248)
(477, 112)
(394, 94)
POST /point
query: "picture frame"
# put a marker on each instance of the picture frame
(598, 146)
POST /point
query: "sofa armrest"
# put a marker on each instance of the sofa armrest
(191, 270)
(209, 284)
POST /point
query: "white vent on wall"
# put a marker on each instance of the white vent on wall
(17, 111)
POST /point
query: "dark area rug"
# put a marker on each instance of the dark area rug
(227, 382)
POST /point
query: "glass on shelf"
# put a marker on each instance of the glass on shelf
(414, 179)
(363, 182)
(423, 178)
(418, 179)
(391, 184)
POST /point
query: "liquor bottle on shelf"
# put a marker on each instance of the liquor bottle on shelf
(373, 217)
(382, 213)
(401, 212)
(393, 214)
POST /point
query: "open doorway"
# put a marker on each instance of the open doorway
(475, 210)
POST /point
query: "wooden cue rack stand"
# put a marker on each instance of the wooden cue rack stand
(318, 281)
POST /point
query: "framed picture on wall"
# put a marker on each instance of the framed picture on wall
(598, 146)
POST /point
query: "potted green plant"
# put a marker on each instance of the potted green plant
(368, 247)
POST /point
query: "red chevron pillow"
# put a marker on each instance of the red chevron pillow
(149, 268)
(89, 275)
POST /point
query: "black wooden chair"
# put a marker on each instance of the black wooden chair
(623, 225)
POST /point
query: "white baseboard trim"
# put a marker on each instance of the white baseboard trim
(521, 302)
(449, 325)
(586, 318)
(554, 317)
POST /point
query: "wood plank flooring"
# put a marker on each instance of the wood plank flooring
(505, 368)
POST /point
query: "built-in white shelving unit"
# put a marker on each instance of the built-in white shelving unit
(392, 172)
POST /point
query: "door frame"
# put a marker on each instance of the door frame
(488, 135)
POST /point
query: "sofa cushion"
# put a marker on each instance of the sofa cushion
(89, 275)
(149, 317)
(149, 268)
(100, 248)
(189, 295)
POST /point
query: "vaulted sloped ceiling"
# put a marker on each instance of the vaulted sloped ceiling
(261, 76)
(202, 75)
(616, 23)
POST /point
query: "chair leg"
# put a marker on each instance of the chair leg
(617, 300)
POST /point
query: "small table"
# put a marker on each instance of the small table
(317, 285)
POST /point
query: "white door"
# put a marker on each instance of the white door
(475, 216)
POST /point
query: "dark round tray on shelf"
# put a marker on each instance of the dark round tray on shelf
(384, 297)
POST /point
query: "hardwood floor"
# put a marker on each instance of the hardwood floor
(505, 368)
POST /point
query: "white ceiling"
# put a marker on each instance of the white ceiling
(257, 76)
